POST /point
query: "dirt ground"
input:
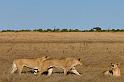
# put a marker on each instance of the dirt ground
(96, 50)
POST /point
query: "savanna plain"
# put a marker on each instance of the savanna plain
(96, 50)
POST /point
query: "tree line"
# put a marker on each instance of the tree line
(96, 29)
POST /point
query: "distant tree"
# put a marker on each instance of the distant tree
(38, 30)
(3, 31)
(118, 30)
(91, 30)
(113, 30)
(122, 30)
(49, 30)
(8, 31)
(23, 30)
(97, 29)
(56, 30)
(77, 30)
(70, 30)
(64, 30)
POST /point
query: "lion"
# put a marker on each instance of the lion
(18, 64)
(68, 64)
(114, 70)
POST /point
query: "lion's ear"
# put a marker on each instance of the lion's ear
(46, 56)
(79, 59)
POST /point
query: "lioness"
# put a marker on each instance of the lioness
(114, 70)
(36, 63)
(68, 64)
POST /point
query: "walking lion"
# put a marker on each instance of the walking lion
(68, 64)
(36, 63)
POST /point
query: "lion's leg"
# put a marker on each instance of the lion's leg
(14, 68)
(20, 69)
(74, 71)
(35, 71)
(39, 73)
(65, 71)
(41, 70)
(106, 72)
(50, 70)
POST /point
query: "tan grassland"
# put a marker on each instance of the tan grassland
(96, 50)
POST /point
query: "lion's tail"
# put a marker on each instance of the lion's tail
(14, 68)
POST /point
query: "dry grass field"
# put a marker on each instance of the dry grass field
(96, 50)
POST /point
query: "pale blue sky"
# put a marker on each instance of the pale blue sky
(86, 14)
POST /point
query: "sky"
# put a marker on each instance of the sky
(75, 14)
